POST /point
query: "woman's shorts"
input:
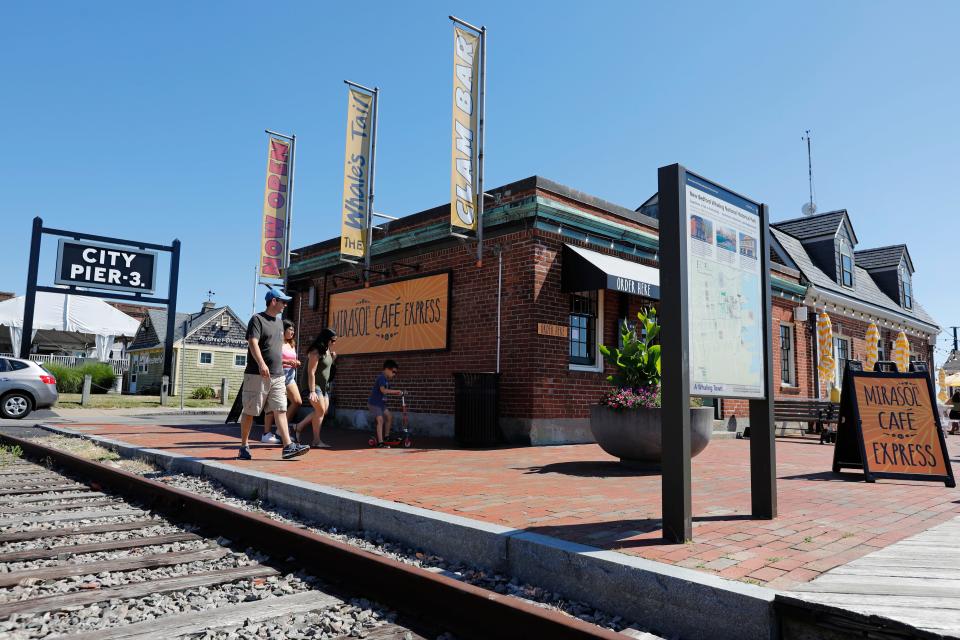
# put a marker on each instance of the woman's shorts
(289, 376)
(321, 393)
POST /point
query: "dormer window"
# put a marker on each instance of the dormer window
(845, 252)
(906, 288)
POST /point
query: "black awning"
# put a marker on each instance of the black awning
(585, 270)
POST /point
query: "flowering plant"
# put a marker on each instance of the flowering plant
(639, 398)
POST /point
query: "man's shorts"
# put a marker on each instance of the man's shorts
(377, 412)
(259, 394)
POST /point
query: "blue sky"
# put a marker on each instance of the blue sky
(146, 121)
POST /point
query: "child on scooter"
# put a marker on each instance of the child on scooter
(377, 403)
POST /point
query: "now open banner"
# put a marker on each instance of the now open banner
(408, 315)
(276, 210)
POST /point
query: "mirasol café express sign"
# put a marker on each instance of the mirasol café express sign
(409, 315)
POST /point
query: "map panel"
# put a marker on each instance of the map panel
(724, 293)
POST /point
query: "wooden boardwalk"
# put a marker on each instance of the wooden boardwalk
(915, 581)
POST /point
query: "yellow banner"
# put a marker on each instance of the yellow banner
(466, 94)
(356, 170)
(276, 207)
(410, 315)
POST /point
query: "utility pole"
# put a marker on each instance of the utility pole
(955, 349)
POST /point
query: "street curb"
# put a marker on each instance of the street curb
(669, 600)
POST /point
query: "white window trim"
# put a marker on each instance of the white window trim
(837, 372)
(205, 364)
(793, 356)
(598, 358)
(240, 366)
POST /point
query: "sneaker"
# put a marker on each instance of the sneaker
(293, 450)
(244, 454)
(383, 445)
(270, 438)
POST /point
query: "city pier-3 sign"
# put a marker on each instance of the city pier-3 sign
(103, 266)
(408, 315)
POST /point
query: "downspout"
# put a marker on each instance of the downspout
(499, 297)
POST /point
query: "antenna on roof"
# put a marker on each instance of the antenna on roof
(809, 208)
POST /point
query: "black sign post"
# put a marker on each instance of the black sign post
(102, 265)
(676, 255)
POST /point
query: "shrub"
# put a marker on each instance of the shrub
(643, 398)
(638, 361)
(70, 379)
(202, 393)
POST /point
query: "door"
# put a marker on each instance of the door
(133, 382)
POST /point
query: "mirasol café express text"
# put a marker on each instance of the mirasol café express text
(364, 319)
(895, 407)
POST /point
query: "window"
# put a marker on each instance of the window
(240, 360)
(206, 357)
(584, 316)
(841, 353)
(16, 365)
(845, 249)
(881, 354)
(786, 355)
(906, 287)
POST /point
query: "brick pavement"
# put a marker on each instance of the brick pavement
(581, 494)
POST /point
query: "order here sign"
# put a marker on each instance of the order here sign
(104, 266)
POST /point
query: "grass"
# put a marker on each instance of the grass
(90, 451)
(9, 454)
(117, 401)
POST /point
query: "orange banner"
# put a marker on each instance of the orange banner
(410, 315)
(900, 432)
(276, 204)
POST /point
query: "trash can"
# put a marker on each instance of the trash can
(476, 419)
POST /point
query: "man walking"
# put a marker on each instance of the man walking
(263, 380)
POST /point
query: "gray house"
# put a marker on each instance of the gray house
(208, 345)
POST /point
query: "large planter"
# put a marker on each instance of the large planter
(633, 435)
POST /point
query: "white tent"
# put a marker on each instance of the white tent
(71, 314)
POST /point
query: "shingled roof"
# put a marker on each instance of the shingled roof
(883, 257)
(153, 330)
(823, 224)
(865, 289)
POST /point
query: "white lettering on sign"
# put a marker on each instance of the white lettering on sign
(107, 256)
(627, 285)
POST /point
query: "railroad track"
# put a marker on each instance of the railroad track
(93, 552)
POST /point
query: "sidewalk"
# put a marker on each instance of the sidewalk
(580, 494)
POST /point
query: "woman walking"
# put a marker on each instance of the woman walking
(290, 366)
(320, 359)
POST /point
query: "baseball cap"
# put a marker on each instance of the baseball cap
(276, 293)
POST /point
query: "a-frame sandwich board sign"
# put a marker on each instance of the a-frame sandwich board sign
(890, 428)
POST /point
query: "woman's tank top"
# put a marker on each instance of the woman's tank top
(324, 369)
(288, 353)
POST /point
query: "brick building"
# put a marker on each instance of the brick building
(561, 270)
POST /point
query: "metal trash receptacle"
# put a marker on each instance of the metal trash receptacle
(476, 420)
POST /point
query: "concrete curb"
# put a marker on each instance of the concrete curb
(669, 600)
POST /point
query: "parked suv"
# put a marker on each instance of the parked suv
(25, 386)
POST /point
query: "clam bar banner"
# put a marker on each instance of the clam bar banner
(407, 315)
(465, 133)
(103, 266)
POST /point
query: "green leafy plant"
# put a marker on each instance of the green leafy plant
(637, 362)
(202, 393)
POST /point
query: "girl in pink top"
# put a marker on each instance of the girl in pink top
(290, 366)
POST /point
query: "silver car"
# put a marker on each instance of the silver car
(24, 386)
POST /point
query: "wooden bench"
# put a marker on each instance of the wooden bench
(818, 416)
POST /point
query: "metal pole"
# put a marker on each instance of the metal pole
(182, 363)
(675, 347)
(481, 126)
(171, 308)
(763, 458)
(253, 300)
(367, 250)
(955, 337)
(30, 303)
(286, 246)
